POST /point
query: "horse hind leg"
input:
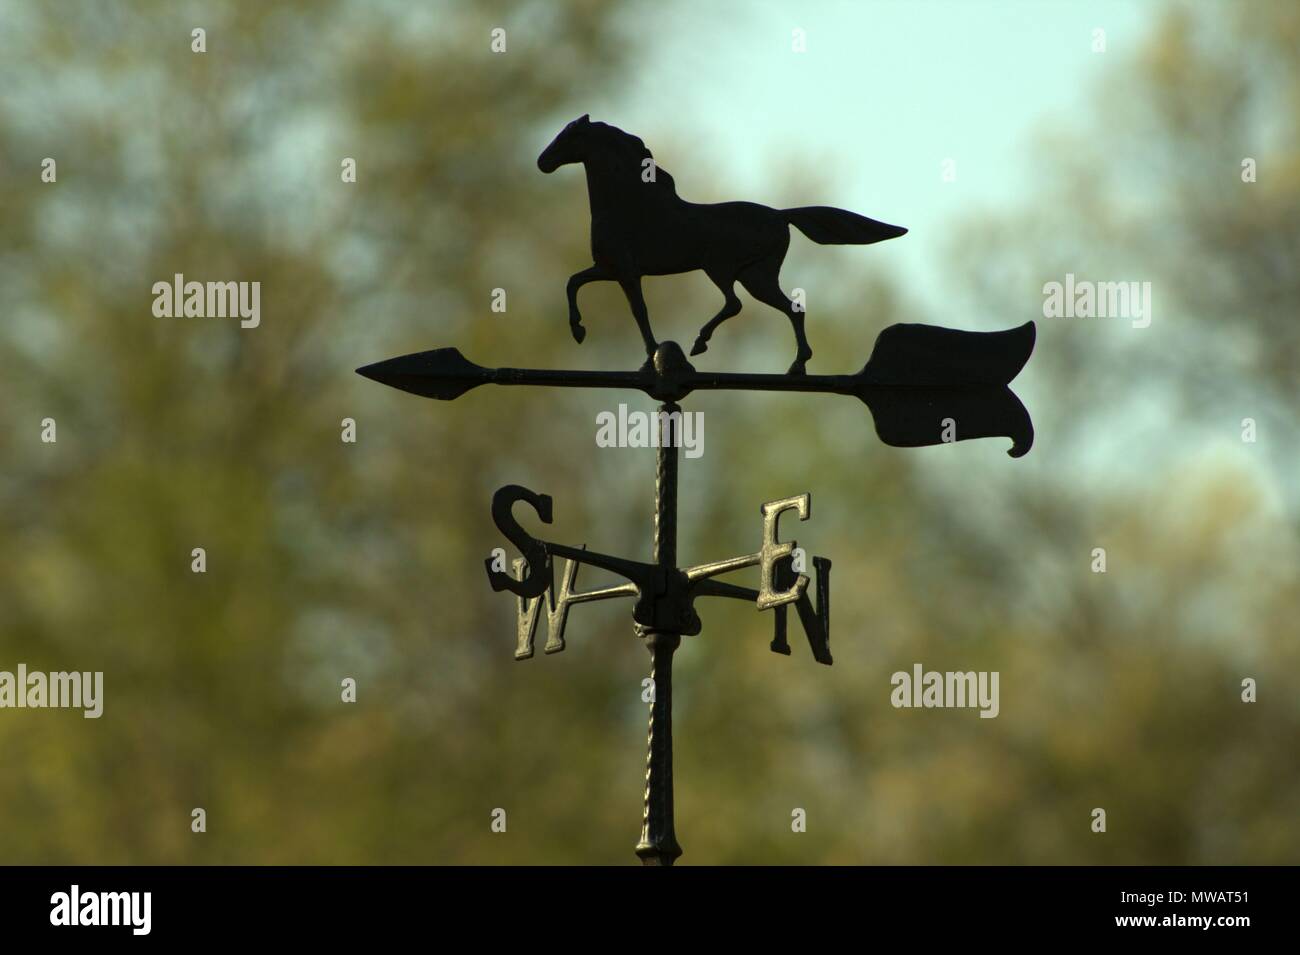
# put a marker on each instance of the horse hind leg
(732, 305)
(762, 280)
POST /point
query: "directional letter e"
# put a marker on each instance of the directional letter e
(773, 550)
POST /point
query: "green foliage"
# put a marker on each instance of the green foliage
(329, 560)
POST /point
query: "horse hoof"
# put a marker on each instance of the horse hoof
(800, 365)
(579, 333)
(700, 347)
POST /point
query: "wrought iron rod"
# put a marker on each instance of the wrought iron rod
(658, 844)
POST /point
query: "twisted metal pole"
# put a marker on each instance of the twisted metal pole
(658, 844)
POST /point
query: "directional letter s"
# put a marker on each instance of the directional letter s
(537, 579)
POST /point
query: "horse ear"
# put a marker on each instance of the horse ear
(584, 119)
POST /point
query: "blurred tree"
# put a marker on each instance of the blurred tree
(325, 559)
(329, 560)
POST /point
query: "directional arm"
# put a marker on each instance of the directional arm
(923, 384)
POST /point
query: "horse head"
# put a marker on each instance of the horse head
(570, 146)
(603, 147)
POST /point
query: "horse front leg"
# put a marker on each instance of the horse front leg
(632, 289)
(577, 281)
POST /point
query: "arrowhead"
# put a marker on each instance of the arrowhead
(443, 373)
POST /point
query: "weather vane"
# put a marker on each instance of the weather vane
(923, 385)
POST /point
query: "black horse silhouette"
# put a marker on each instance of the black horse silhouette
(640, 226)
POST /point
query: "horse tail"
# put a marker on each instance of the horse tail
(830, 226)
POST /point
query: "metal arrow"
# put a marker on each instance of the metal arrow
(919, 378)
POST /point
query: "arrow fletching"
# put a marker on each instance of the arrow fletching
(928, 385)
(443, 373)
(919, 417)
(931, 356)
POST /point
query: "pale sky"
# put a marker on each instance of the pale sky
(885, 92)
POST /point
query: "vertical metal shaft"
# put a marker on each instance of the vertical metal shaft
(658, 845)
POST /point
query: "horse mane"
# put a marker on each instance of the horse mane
(632, 150)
